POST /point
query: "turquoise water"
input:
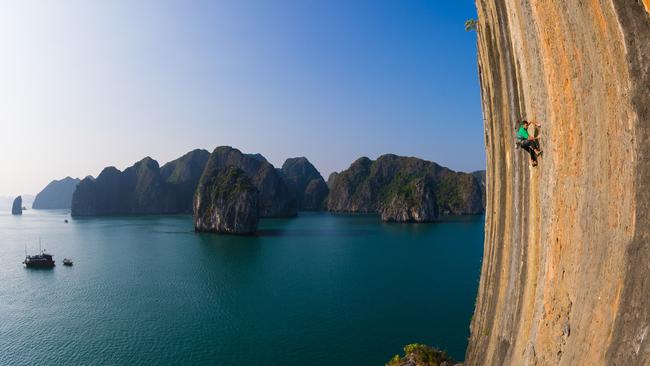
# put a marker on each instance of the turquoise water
(317, 290)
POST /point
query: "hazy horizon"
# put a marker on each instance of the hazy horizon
(90, 85)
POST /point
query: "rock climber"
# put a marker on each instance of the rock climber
(528, 142)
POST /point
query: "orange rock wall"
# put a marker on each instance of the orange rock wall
(566, 269)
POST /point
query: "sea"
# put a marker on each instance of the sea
(319, 289)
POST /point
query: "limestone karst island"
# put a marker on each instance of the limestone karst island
(325, 183)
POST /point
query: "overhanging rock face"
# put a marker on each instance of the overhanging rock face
(566, 272)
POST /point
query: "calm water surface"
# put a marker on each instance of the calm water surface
(316, 290)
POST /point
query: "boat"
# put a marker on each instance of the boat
(42, 260)
(67, 261)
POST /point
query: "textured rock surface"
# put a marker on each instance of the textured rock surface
(17, 206)
(331, 179)
(226, 201)
(305, 183)
(414, 202)
(566, 268)
(403, 189)
(56, 195)
(274, 197)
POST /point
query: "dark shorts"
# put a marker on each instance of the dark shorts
(528, 144)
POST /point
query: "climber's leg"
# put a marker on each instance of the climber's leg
(535, 146)
(528, 145)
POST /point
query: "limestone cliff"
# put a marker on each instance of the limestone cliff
(274, 197)
(56, 195)
(226, 201)
(404, 189)
(480, 177)
(414, 202)
(139, 189)
(305, 183)
(183, 176)
(566, 268)
(144, 188)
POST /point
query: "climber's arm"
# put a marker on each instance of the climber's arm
(534, 138)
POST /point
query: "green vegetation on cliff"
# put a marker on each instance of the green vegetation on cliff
(403, 189)
(226, 201)
(421, 355)
(275, 199)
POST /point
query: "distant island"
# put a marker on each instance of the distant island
(144, 188)
(56, 195)
(228, 191)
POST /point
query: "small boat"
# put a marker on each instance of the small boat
(66, 221)
(67, 261)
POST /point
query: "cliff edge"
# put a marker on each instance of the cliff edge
(566, 269)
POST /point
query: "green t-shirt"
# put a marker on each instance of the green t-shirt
(522, 134)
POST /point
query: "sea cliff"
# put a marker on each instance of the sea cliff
(56, 195)
(403, 189)
(275, 199)
(305, 183)
(567, 244)
(144, 188)
(226, 201)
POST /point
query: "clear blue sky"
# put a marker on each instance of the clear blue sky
(87, 84)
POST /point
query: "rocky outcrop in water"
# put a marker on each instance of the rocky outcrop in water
(141, 189)
(567, 249)
(56, 195)
(274, 197)
(226, 201)
(403, 189)
(305, 183)
(17, 206)
(415, 201)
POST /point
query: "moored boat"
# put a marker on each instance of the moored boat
(42, 260)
